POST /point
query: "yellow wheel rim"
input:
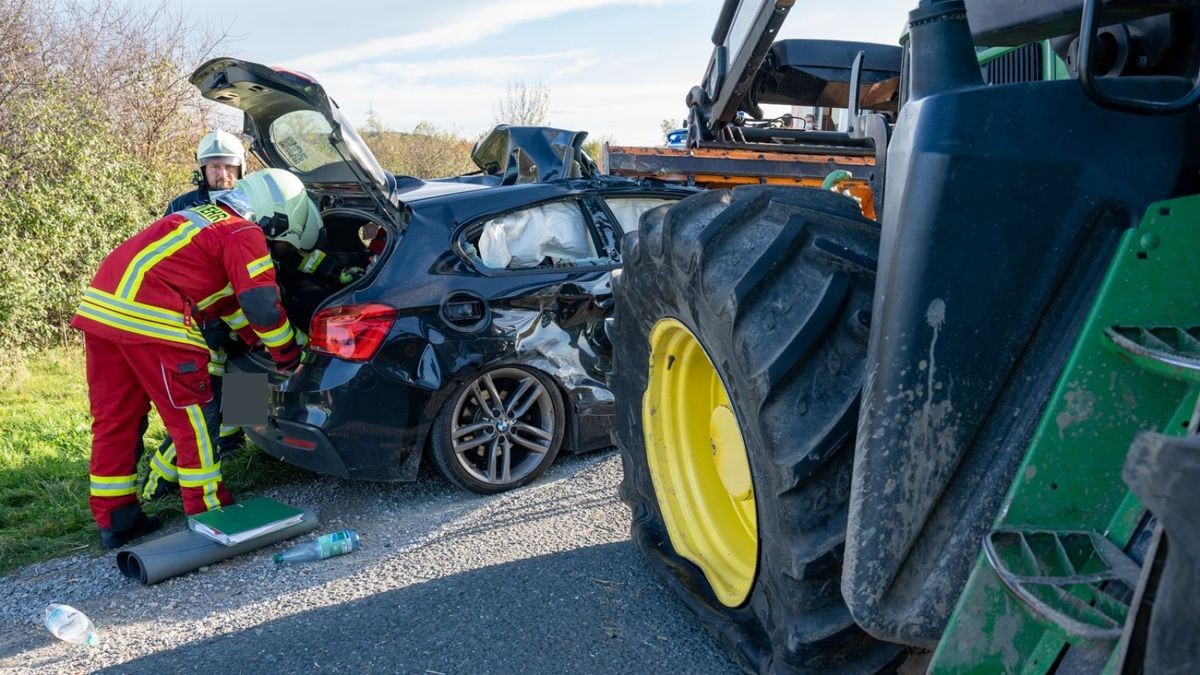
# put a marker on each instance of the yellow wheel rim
(698, 463)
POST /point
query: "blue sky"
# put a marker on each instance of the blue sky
(614, 68)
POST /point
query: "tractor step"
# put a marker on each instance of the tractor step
(1078, 581)
(1169, 351)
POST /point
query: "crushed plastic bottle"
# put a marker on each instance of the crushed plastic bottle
(325, 546)
(70, 625)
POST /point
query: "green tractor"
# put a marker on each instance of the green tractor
(966, 430)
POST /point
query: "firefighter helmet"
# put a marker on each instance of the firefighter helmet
(220, 146)
(278, 202)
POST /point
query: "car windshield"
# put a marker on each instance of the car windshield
(304, 140)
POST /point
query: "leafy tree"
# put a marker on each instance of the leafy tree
(97, 129)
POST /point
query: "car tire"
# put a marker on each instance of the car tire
(472, 439)
(770, 290)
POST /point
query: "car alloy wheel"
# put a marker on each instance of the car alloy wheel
(504, 428)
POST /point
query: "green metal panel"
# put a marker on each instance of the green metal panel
(1053, 68)
(1071, 477)
(985, 54)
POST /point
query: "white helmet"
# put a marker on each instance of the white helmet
(278, 202)
(220, 146)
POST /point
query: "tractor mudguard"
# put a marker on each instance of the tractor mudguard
(1000, 218)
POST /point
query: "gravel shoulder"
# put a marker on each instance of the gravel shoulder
(541, 580)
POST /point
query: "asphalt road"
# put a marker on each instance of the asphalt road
(542, 580)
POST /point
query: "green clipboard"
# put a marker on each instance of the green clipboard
(244, 521)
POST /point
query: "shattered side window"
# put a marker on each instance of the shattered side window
(302, 138)
(551, 235)
(629, 210)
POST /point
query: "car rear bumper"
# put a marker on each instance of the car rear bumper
(344, 419)
(303, 445)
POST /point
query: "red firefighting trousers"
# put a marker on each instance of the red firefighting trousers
(123, 380)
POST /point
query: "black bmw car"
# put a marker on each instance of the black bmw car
(476, 335)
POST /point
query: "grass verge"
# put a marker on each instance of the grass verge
(45, 442)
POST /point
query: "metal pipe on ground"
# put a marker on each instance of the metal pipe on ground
(182, 552)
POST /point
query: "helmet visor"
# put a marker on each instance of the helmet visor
(232, 160)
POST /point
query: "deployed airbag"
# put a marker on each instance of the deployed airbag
(524, 239)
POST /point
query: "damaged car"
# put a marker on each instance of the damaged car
(474, 334)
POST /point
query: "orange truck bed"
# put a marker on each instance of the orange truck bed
(716, 168)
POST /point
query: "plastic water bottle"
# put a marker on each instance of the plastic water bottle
(70, 625)
(325, 546)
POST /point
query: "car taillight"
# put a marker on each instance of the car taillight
(351, 332)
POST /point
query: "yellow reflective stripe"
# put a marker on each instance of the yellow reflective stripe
(223, 293)
(278, 337)
(311, 261)
(257, 267)
(236, 320)
(153, 254)
(134, 308)
(203, 443)
(153, 479)
(113, 492)
(216, 362)
(200, 477)
(113, 486)
(163, 463)
(206, 478)
(227, 430)
(138, 326)
(194, 477)
(113, 480)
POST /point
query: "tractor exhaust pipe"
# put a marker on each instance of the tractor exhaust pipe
(942, 51)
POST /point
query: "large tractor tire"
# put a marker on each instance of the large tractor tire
(740, 335)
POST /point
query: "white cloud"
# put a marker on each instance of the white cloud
(492, 18)
(468, 69)
(622, 92)
(628, 111)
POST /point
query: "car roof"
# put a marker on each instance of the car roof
(414, 190)
(458, 204)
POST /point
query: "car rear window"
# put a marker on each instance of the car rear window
(302, 138)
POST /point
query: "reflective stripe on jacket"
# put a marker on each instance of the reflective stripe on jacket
(187, 267)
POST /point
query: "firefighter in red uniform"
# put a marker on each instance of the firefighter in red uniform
(141, 316)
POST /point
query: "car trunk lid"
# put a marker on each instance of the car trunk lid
(292, 124)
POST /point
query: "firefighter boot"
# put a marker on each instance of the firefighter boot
(127, 523)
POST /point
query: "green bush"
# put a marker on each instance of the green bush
(96, 134)
(72, 193)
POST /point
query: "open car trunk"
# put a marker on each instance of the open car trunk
(292, 124)
(345, 240)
